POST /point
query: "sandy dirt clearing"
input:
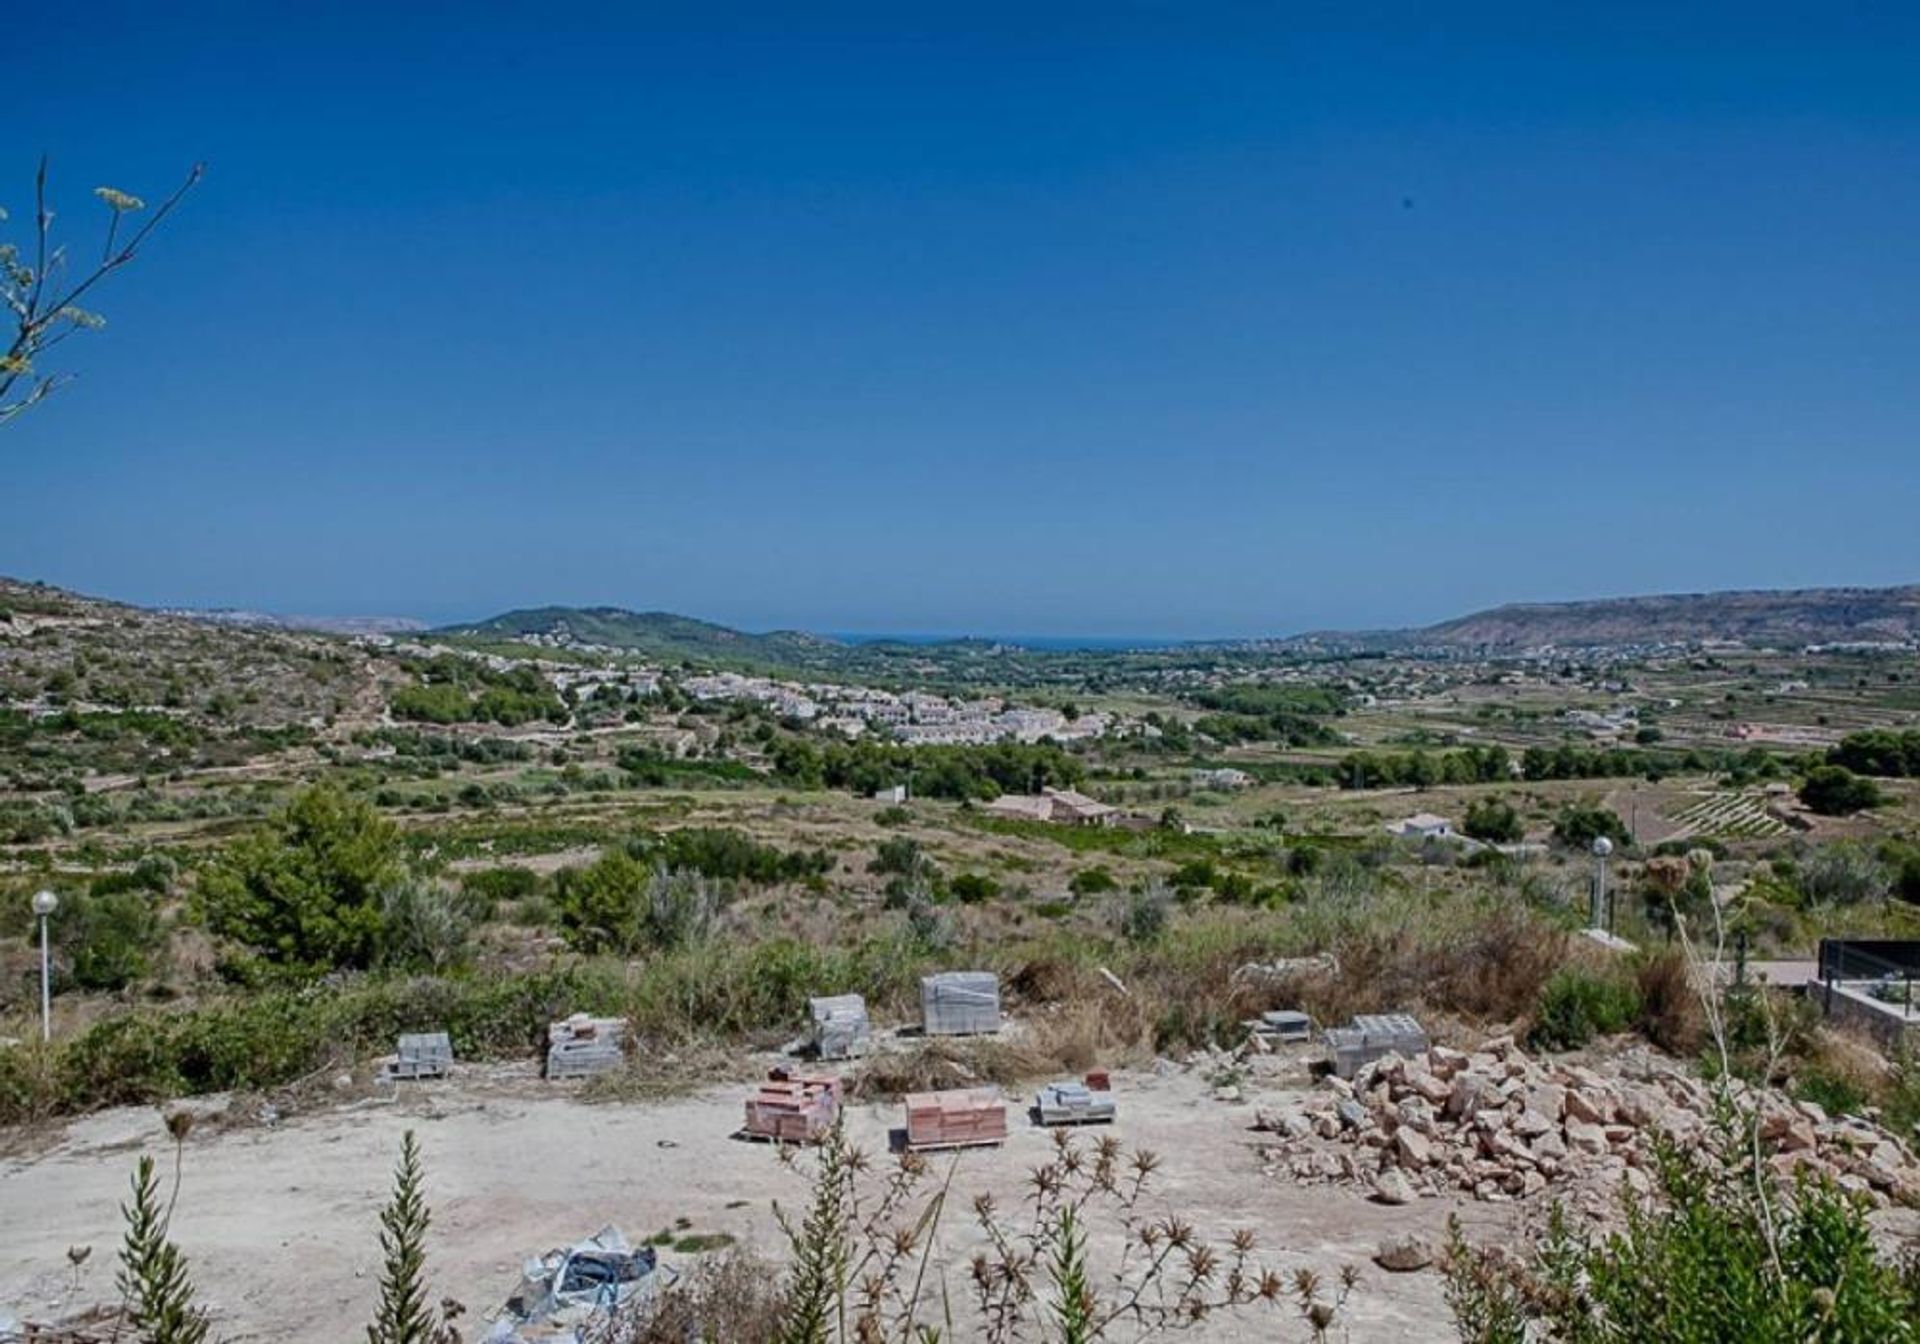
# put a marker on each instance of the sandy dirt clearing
(279, 1221)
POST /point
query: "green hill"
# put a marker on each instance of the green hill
(654, 634)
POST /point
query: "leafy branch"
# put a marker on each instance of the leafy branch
(42, 294)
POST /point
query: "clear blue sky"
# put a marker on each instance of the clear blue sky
(1157, 320)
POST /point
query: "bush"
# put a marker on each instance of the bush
(1579, 825)
(1092, 882)
(424, 927)
(1845, 873)
(305, 894)
(1576, 1005)
(1725, 1254)
(107, 938)
(900, 855)
(1494, 821)
(490, 888)
(1835, 791)
(972, 888)
(618, 904)
(1143, 914)
(1670, 1012)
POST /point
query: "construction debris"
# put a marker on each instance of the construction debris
(582, 1046)
(960, 1003)
(841, 1029)
(566, 1292)
(964, 1118)
(1502, 1126)
(1075, 1103)
(793, 1108)
(1372, 1036)
(421, 1055)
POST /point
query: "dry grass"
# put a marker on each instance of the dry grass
(735, 1297)
(1670, 1011)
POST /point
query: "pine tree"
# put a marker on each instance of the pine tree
(404, 1316)
(153, 1273)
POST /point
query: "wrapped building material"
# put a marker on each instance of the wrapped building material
(1074, 1103)
(964, 1118)
(1284, 1024)
(793, 1107)
(572, 1292)
(1372, 1036)
(841, 1028)
(960, 1003)
(582, 1046)
(427, 1054)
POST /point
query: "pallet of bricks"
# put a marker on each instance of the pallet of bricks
(582, 1046)
(793, 1107)
(964, 1118)
(1372, 1036)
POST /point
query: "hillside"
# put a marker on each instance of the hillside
(1789, 618)
(654, 634)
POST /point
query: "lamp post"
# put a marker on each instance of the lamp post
(44, 904)
(1601, 848)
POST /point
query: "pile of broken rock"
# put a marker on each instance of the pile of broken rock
(1501, 1126)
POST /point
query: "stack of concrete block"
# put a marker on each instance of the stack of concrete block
(841, 1028)
(427, 1054)
(582, 1046)
(1371, 1036)
(1074, 1103)
(960, 1003)
(963, 1118)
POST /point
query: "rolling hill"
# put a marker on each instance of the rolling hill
(654, 634)
(1786, 618)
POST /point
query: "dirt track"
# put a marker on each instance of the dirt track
(279, 1222)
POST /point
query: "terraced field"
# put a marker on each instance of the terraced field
(1729, 815)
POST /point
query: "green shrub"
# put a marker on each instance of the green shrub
(107, 938)
(1092, 882)
(1835, 791)
(1494, 821)
(1575, 1006)
(1722, 1255)
(1579, 825)
(305, 894)
(972, 888)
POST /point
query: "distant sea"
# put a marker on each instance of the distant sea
(1039, 643)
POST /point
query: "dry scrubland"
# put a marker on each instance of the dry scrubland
(702, 868)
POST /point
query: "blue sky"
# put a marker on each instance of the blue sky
(1162, 320)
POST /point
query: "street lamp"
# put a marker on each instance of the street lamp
(1601, 848)
(44, 904)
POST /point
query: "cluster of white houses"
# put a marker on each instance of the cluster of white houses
(918, 718)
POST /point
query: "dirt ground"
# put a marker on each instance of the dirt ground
(279, 1221)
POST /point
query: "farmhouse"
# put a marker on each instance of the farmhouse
(1064, 807)
(1423, 826)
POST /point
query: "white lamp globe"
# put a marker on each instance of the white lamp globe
(45, 903)
(1602, 846)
